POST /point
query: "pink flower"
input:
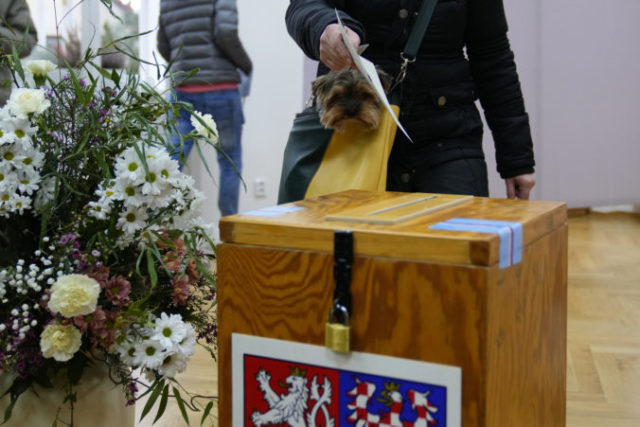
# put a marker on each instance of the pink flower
(181, 290)
(102, 327)
(117, 290)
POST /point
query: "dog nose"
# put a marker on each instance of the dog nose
(351, 109)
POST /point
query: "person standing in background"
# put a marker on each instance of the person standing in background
(16, 29)
(202, 35)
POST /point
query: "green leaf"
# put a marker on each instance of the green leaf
(151, 268)
(163, 403)
(8, 411)
(206, 412)
(180, 403)
(157, 389)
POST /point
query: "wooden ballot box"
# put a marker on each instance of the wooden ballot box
(476, 283)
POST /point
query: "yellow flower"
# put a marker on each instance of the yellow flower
(74, 295)
(39, 67)
(60, 342)
(212, 132)
(24, 101)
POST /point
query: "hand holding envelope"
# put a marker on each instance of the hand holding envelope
(369, 69)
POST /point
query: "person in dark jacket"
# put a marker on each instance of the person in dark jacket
(465, 55)
(16, 30)
(202, 35)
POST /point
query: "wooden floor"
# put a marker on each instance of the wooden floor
(603, 375)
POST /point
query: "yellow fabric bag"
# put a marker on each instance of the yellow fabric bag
(355, 159)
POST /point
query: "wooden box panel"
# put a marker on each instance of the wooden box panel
(506, 328)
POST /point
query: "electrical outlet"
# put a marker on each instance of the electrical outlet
(260, 187)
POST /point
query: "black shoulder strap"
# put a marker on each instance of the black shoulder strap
(411, 48)
(419, 29)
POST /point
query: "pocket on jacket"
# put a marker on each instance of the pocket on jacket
(444, 113)
(446, 97)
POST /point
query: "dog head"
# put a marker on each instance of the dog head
(347, 95)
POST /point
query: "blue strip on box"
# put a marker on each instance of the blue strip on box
(272, 211)
(510, 234)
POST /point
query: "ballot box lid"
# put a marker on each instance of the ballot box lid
(411, 226)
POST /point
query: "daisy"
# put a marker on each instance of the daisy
(187, 346)
(172, 365)
(11, 154)
(132, 220)
(127, 351)
(127, 191)
(19, 204)
(130, 167)
(28, 181)
(149, 353)
(8, 178)
(33, 158)
(169, 330)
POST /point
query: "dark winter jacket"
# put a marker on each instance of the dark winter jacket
(465, 55)
(16, 30)
(202, 34)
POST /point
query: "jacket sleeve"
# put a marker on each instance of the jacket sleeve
(162, 42)
(225, 35)
(17, 29)
(307, 19)
(496, 79)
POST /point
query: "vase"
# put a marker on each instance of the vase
(99, 403)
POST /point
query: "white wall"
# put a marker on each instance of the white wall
(590, 88)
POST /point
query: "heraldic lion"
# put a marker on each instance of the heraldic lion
(286, 408)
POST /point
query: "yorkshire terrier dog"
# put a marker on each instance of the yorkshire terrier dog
(347, 96)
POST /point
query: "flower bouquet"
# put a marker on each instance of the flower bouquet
(103, 257)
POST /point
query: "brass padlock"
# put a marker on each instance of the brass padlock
(337, 336)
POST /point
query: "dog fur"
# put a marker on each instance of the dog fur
(347, 96)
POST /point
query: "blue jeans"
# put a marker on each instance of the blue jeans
(225, 106)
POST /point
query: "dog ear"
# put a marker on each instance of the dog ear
(317, 86)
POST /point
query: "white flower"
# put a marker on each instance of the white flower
(127, 351)
(208, 129)
(12, 127)
(31, 157)
(46, 192)
(24, 101)
(132, 220)
(28, 180)
(127, 191)
(169, 330)
(187, 346)
(74, 294)
(19, 204)
(60, 342)
(163, 171)
(172, 365)
(102, 207)
(149, 353)
(130, 167)
(12, 154)
(39, 67)
(8, 178)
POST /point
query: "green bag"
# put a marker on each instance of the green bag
(308, 140)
